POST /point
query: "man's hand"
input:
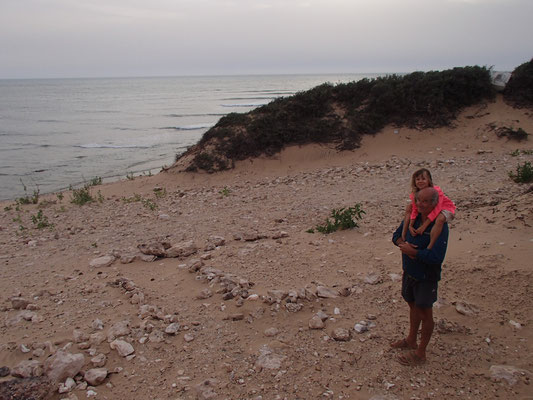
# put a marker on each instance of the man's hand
(408, 249)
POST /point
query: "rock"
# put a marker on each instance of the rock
(102, 262)
(172, 329)
(465, 308)
(182, 250)
(188, 337)
(127, 258)
(152, 249)
(216, 241)
(122, 347)
(360, 328)
(341, 335)
(507, 373)
(270, 332)
(204, 294)
(97, 338)
(36, 388)
(99, 360)
(79, 336)
(156, 336)
(327, 293)
(205, 390)
(147, 258)
(118, 329)
(372, 278)
(395, 277)
(516, 325)
(19, 303)
(293, 307)
(67, 386)
(268, 359)
(97, 324)
(316, 323)
(27, 369)
(95, 376)
(4, 371)
(63, 365)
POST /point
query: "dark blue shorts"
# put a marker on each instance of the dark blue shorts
(422, 293)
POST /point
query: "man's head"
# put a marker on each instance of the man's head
(426, 200)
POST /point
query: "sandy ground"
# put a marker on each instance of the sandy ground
(249, 227)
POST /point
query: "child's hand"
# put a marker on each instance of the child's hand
(419, 231)
(413, 231)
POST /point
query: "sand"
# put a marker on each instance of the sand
(252, 223)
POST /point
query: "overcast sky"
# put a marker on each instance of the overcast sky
(103, 38)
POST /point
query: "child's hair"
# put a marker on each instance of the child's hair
(417, 174)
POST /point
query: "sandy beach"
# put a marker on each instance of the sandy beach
(226, 313)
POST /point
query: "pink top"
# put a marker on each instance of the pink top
(444, 204)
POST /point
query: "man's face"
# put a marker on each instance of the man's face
(424, 203)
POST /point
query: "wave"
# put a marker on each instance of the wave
(244, 105)
(190, 127)
(111, 146)
(195, 115)
(251, 98)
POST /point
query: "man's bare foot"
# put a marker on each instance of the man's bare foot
(411, 359)
(403, 344)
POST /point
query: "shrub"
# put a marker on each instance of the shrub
(341, 114)
(519, 89)
(512, 134)
(343, 218)
(41, 220)
(524, 173)
(81, 196)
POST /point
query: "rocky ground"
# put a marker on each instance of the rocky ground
(183, 286)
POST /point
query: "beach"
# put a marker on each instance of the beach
(229, 314)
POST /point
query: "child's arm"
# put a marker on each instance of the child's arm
(422, 228)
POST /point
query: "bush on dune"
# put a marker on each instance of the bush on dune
(519, 89)
(341, 114)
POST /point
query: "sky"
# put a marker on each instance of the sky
(115, 38)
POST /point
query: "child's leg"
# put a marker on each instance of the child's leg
(406, 220)
(436, 230)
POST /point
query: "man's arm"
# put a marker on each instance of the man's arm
(436, 254)
(397, 235)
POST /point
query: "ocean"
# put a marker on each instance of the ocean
(60, 132)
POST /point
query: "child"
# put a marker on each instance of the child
(443, 212)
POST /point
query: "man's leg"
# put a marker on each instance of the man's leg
(426, 317)
(414, 324)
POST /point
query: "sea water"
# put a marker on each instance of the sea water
(60, 132)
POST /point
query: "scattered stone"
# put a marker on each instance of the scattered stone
(182, 250)
(395, 277)
(62, 365)
(97, 325)
(152, 249)
(19, 303)
(99, 360)
(122, 347)
(316, 323)
(119, 329)
(204, 294)
(205, 390)
(360, 327)
(235, 317)
(102, 262)
(95, 376)
(36, 388)
(465, 308)
(516, 325)
(27, 369)
(341, 335)
(4, 371)
(508, 373)
(188, 337)
(268, 359)
(327, 293)
(270, 332)
(372, 278)
(293, 307)
(79, 336)
(127, 258)
(172, 329)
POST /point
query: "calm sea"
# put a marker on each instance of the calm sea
(60, 132)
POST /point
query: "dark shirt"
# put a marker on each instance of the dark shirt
(427, 264)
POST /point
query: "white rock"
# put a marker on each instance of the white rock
(122, 347)
(172, 329)
(508, 373)
(95, 376)
(360, 328)
(325, 292)
(102, 262)
(63, 365)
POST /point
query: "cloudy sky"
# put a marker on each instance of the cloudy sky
(101, 38)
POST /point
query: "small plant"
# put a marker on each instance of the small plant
(41, 220)
(26, 199)
(97, 180)
(343, 218)
(524, 173)
(160, 192)
(81, 196)
(511, 134)
(60, 196)
(148, 203)
(95, 245)
(517, 152)
(225, 192)
(8, 208)
(130, 176)
(17, 219)
(135, 198)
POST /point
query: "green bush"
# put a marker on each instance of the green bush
(343, 218)
(82, 196)
(341, 114)
(41, 220)
(519, 89)
(524, 173)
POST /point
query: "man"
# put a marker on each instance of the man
(421, 274)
